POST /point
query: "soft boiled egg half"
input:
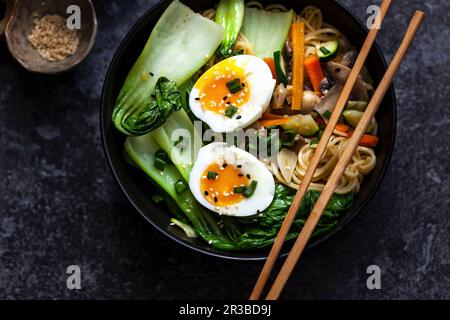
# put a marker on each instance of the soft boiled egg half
(233, 93)
(231, 181)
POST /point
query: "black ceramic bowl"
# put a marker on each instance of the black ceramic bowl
(138, 188)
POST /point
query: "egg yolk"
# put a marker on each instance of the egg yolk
(214, 94)
(218, 183)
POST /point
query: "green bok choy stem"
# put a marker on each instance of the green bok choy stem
(230, 15)
(179, 45)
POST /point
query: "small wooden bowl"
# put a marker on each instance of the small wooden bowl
(19, 27)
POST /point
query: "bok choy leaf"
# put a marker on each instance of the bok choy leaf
(142, 151)
(180, 44)
(230, 15)
(267, 31)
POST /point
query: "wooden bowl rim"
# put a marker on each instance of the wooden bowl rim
(51, 71)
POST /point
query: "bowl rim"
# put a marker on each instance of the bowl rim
(226, 254)
(75, 63)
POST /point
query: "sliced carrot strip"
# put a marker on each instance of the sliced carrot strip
(367, 140)
(268, 115)
(342, 127)
(314, 70)
(298, 55)
(273, 122)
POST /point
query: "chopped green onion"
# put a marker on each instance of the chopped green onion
(314, 141)
(231, 110)
(279, 69)
(161, 160)
(160, 164)
(212, 175)
(180, 187)
(248, 192)
(327, 114)
(234, 85)
(239, 190)
(288, 138)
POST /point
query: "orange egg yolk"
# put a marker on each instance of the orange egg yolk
(219, 190)
(214, 95)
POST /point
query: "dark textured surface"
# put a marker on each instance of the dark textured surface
(60, 205)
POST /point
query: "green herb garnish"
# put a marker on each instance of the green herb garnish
(161, 160)
(248, 192)
(234, 85)
(327, 114)
(212, 175)
(231, 111)
(288, 138)
(239, 190)
(180, 187)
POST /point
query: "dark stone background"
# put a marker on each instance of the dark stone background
(60, 205)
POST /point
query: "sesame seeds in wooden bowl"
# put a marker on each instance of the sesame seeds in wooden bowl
(39, 38)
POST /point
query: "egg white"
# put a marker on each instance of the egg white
(218, 152)
(261, 85)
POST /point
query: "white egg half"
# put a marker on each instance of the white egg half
(214, 98)
(222, 179)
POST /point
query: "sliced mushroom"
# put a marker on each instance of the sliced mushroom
(340, 73)
(349, 58)
(310, 100)
(287, 160)
(279, 96)
(328, 101)
(325, 85)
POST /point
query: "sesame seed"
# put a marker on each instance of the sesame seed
(215, 199)
(206, 193)
(248, 176)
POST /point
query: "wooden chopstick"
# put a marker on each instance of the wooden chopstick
(321, 147)
(350, 148)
